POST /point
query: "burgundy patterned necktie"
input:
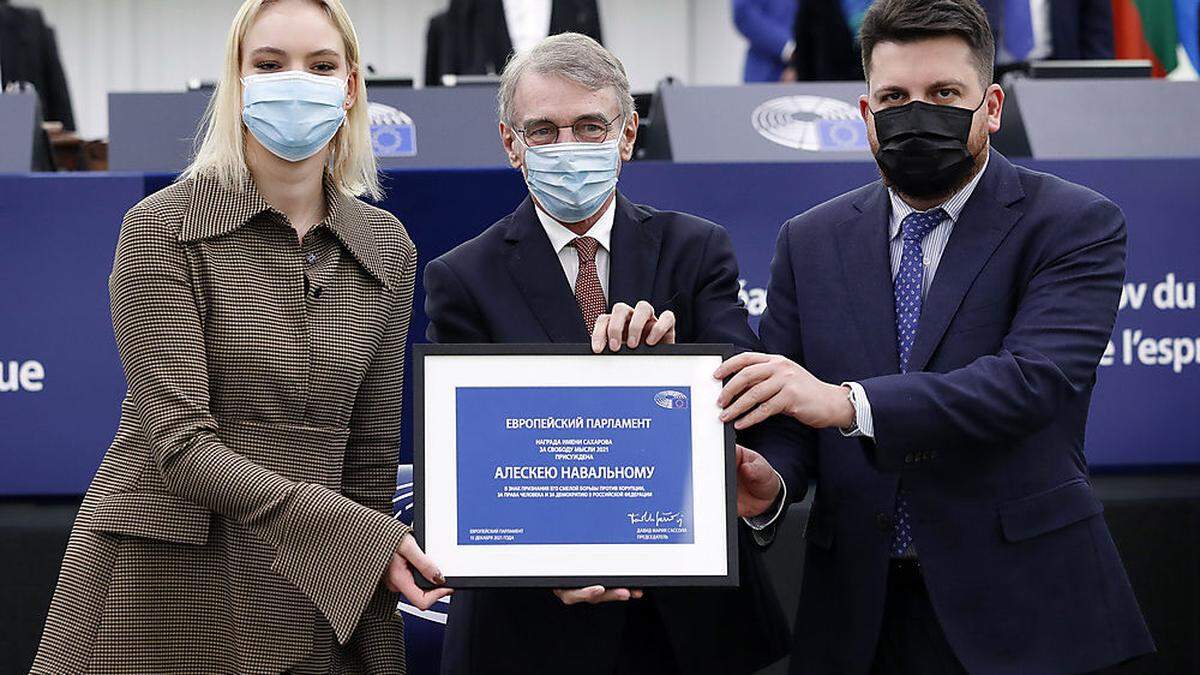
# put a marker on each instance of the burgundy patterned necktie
(588, 292)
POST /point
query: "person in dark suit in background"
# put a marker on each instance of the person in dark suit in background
(1081, 29)
(579, 261)
(29, 53)
(483, 34)
(767, 26)
(1038, 30)
(938, 334)
(826, 40)
(438, 56)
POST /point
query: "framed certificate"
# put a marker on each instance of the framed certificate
(551, 466)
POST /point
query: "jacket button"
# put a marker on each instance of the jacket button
(316, 292)
(883, 521)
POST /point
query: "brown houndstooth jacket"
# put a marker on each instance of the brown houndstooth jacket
(240, 521)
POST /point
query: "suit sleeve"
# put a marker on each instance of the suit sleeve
(332, 548)
(1056, 338)
(57, 95)
(787, 444)
(1096, 30)
(372, 453)
(719, 317)
(765, 35)
(453, 315)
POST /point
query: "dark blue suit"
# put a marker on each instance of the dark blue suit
(507, 286)
(987, 428)
(1079, 29)
(767, 26)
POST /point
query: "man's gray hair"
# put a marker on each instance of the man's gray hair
(576, 57)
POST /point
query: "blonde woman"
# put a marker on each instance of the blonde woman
(239, 522)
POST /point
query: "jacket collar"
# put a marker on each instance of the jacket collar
(987, 217)
(986, 220)
(215, 210)
(535, 267)
(635, 249)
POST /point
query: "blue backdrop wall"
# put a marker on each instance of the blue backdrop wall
(61, 381)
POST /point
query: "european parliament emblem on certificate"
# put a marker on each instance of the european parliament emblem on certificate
(548, 465)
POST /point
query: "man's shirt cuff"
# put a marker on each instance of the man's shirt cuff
(767, 518)
(863, 424)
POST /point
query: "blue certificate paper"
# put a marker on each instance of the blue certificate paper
(574, 465)
(550, 466)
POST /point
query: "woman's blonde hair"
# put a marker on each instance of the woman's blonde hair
(221, 154)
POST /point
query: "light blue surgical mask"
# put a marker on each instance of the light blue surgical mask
(293, 113)
(572, 180)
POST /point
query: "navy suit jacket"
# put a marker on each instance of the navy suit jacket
(986, 430)
(507, 286)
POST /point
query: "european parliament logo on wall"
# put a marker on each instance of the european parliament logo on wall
(812, 123)
(393, 133)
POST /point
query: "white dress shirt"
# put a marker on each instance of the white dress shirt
(932, 248)
(528, 22)
(561, 238)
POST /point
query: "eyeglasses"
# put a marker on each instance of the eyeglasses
(585, 130)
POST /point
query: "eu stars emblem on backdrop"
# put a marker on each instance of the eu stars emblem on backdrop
(393, 133)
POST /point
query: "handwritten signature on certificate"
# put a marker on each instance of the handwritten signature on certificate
(657, 518)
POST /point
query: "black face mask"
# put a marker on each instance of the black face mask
(923, 147)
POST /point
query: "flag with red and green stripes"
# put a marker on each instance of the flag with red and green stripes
(1165, 31)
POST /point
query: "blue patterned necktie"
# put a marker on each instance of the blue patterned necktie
(908, 284)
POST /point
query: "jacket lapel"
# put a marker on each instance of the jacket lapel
(535, 268)
(633, 259)
(867, 271)
(984, 222)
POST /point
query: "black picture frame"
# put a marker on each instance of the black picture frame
(732, 576)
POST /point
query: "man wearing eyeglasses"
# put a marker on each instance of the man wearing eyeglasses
(576, 262)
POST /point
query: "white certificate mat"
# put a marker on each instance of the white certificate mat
(551, 466)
